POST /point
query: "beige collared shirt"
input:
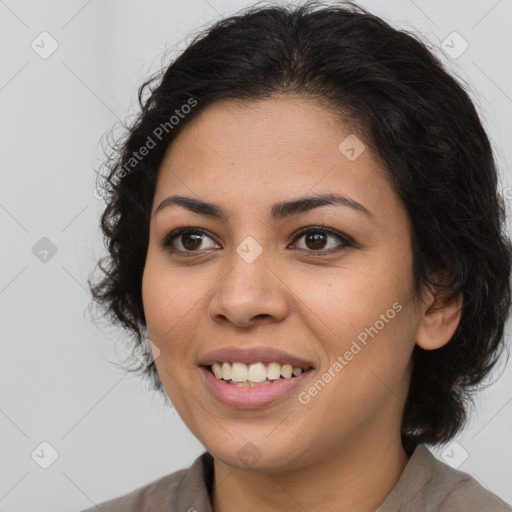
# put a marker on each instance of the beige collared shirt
(426, 485)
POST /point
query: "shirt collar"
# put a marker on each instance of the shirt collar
(416, 476)
(193, 493)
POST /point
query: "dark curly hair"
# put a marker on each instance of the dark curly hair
(417, 118)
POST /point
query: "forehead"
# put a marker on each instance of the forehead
(262, 151)
(233, 129)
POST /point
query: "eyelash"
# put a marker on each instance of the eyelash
(345, 240)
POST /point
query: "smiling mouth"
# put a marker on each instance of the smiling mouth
(256, 374)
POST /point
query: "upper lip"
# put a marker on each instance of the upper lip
(253, 355)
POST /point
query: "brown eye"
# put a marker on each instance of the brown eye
(191, 240)
(317, 240)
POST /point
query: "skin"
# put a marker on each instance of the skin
(314, 306)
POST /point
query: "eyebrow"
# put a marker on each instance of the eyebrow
(278, 211)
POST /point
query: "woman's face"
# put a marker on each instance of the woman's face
(254, 281)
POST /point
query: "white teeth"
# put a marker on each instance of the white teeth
(255, 373)
(286, 371)
(250, 384)
(297, 371)
(238, 372)
(226, 371)
(273, 371)
(217, 370)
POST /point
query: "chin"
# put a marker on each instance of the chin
(248, 453)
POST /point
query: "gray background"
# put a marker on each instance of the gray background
(58, 382)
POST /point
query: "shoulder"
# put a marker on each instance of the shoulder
(183, 489)
(469, 495)
(152, 497)
(453, 490)
(429, 485)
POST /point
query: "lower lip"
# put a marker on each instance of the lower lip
(248, 397)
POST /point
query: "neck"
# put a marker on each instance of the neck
(357, 478)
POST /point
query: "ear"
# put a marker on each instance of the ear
(439, 321)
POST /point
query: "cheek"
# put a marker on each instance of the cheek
(171, 304)
(363, 314)
(348, 299)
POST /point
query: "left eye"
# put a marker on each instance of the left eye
(315, 239)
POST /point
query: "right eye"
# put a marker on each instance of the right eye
(189, 238)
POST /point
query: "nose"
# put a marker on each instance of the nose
(249, 294)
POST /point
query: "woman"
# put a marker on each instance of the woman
(304, 220)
